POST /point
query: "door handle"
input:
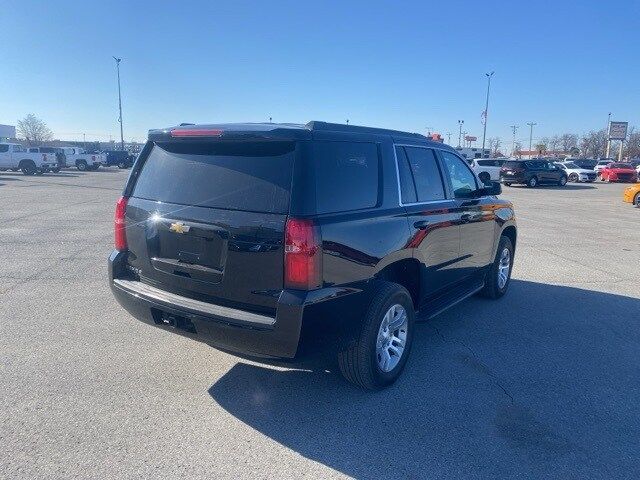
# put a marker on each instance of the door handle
(421, 224)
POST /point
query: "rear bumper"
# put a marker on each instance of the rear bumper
(237, 330)
(513, 179)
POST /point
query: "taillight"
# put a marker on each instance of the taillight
(119, 224)
(302, 255)
(196, 132)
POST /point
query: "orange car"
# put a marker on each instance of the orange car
(632, 194)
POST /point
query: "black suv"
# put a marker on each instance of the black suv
(532, 173)
(264, 238)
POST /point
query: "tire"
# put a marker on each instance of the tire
(532, 182)
(493, 286)
(508, 184)
(636, 200)
(82, 165)
(573, 177)
(563, 181)
(122, 165)
(361, 361)
(28, 167)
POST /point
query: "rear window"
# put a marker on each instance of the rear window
(252, 176)
(620, 165)
(346, 175)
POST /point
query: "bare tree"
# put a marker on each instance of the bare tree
(593, 144)
(554, 143)
(517, 151)
(568, 141)
(33, 130)
(631, 148)
(494, 145)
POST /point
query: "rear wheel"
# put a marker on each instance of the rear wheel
(636, 200)
(533, 182)
(499, 275)
(28, 167)
(379, 353)
(81, 165)
(563, 181)
(573, 177)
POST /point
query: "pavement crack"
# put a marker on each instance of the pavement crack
(494, 378)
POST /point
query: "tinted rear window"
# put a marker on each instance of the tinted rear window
(513, 164)
(252, 176)
(346, 175)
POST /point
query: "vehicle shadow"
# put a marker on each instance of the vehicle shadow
(518, 386)
(568, 186)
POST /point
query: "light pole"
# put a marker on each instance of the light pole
(460, 123)
(486, 110)
(514, 128)
(531, 124)
(118, 60)
(608, 142)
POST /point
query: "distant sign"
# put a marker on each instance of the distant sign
(618, 130)
(7, 131)
(469, 138)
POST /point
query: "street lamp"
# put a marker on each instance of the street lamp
(608, 142)
(460, 123)
(486, 110)
(531, 124)
(118, 60)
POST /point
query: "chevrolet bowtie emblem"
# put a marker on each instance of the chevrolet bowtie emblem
(179, 227)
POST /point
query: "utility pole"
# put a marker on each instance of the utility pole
(531, 124)
(514, 128)
(606, 155)
(448, 138)
(118, 60)
(486, 110)
(460, 123)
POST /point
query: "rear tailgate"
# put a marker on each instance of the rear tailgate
(206, 219)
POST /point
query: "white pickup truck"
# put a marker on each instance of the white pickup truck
(14, 156)
(83, 160)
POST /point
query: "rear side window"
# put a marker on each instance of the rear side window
(252, 176)
(513, 165)
(407, 187)
(346, 175)
(426, 174)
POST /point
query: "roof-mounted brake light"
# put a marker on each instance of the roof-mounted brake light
(196, 132)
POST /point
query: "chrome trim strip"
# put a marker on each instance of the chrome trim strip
(140, 289)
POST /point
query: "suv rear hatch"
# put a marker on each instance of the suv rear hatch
(206, 219)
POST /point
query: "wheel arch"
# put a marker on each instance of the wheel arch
(405, 272)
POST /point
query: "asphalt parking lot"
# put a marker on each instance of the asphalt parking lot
(543, 383)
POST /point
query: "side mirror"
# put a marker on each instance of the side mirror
(491, 188)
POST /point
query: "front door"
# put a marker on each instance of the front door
(477, 216)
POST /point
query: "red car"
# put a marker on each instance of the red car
(618, 172)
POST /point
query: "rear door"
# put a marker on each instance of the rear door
(207, 218)
(433, 218)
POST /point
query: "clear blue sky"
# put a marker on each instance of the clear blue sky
(404, 65)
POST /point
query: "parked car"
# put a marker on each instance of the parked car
(264, 239)
(14, 156)
(631, 194)
(82, 159)
(487, 169)
(601, 165)
(577, 174)
(618, 172)
(584, 163)
(119, 158)
(57, 152)
(532, 173)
